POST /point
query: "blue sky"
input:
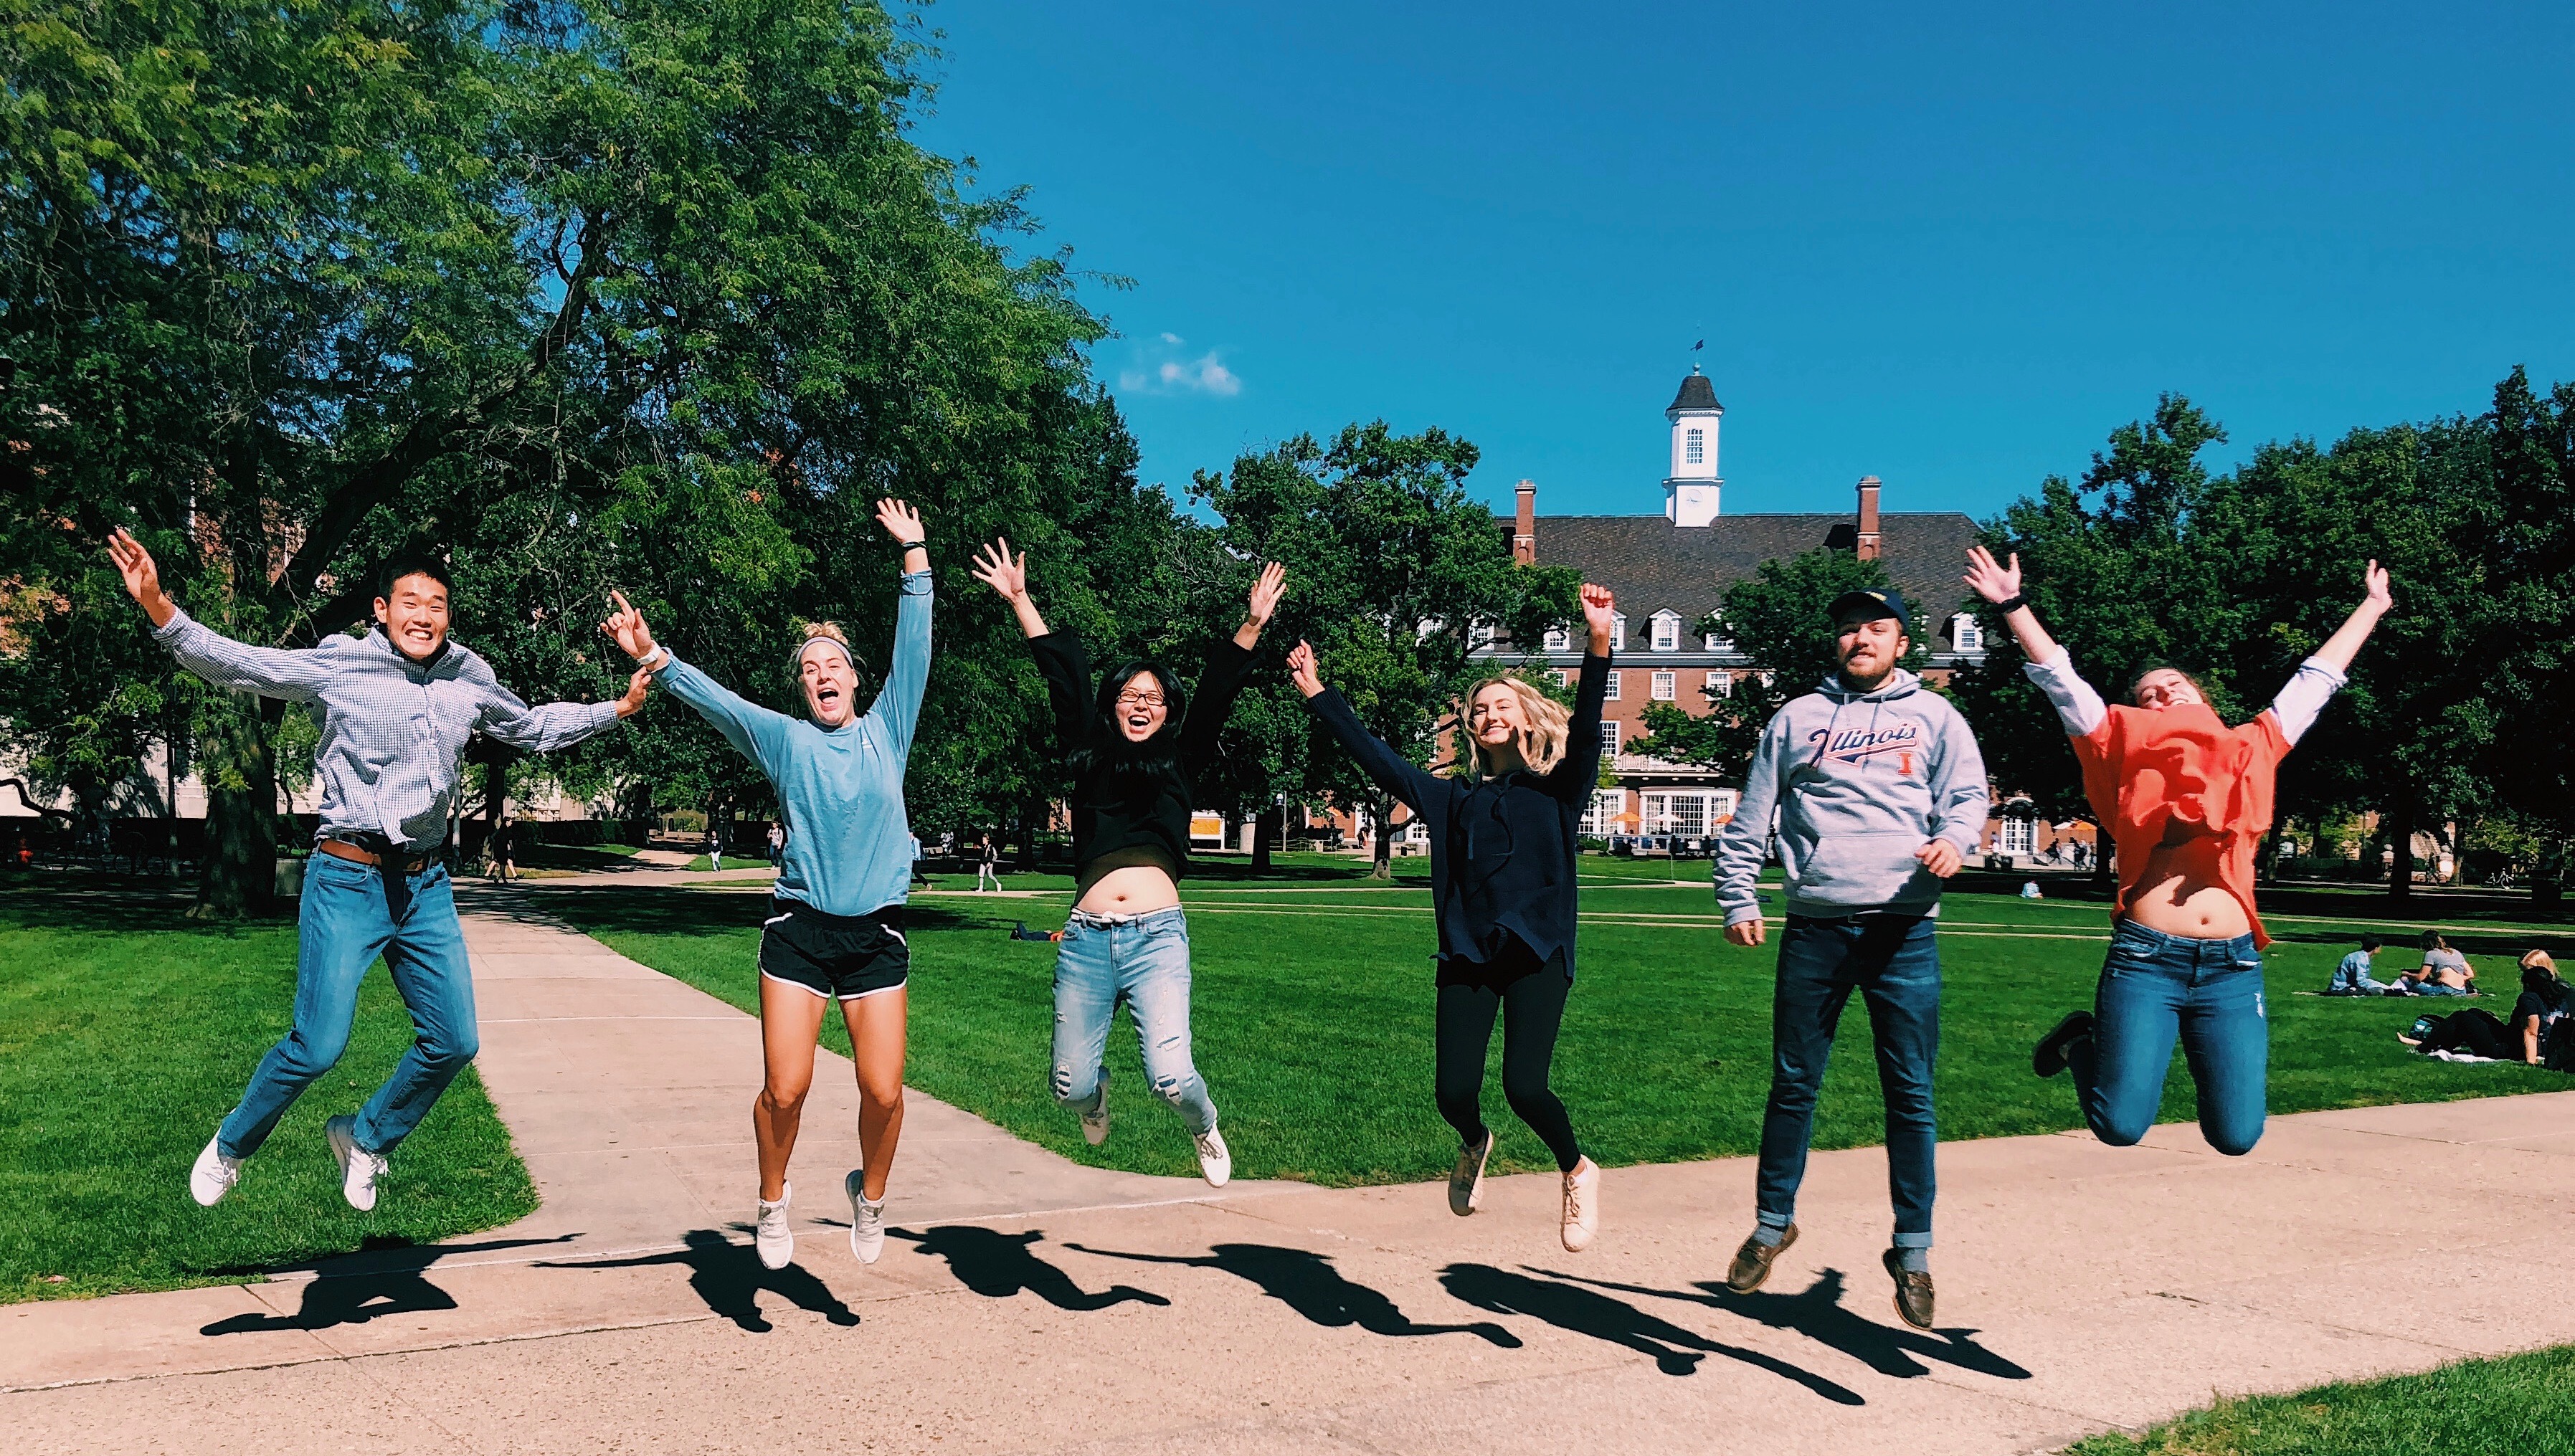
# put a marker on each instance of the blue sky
(1952, 249)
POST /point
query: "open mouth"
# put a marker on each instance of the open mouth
(827, 697)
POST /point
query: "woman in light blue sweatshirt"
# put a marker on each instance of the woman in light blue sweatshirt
(834, 930)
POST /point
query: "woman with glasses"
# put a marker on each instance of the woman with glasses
(1504, 829)
(1136, 747)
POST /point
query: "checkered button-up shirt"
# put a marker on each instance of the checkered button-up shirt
(393, 731)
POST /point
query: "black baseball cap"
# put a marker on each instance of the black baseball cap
(1874, 603)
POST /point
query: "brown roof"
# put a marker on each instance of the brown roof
(1653, 564)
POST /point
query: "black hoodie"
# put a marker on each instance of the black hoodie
(1134, 796)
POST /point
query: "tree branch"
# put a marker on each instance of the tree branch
(29, 800)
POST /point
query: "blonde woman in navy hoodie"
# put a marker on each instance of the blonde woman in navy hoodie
(1880, 795)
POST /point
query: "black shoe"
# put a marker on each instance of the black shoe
(1912, 1291)
(1753, 1261)
(2048, 1057)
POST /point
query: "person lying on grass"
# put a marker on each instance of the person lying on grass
(2535, 1033)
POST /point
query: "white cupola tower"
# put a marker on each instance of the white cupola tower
(1689, 491)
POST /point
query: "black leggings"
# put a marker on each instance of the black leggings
(1529, 998)
(2475, 1031)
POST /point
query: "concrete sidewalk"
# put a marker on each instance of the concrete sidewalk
(1027, 1304)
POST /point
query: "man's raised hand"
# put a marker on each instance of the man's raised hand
(626, 628)
(1990, 579)
(142, 575)
(996, 568)
(902, 522)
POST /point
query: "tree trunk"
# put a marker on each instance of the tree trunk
(1381, 806)
(239, 877)
(1262, 839)
(2400, 826)
(1032, 813)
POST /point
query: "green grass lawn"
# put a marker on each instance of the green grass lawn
(1314, 1004)
(2520, 1406)
(126, 1033)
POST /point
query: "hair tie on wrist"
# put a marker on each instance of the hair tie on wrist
(2016, 602)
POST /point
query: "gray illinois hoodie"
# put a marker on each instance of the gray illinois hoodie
(1859, 780)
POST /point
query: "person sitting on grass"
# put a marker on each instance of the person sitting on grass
(397, 708)
(2525, 1038)
(2445, 972)
(1505, 832)
(835, 925)
(2352, 979)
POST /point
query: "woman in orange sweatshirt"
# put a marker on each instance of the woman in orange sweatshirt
(2185, 800)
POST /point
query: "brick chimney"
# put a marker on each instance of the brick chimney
(1525, 528)
(1865, 545)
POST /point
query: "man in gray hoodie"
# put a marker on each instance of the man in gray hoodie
(1879, 794)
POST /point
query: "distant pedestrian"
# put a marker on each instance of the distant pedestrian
(777, 843)
(715, 844)
(988, 865)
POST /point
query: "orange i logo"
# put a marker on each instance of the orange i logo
(1904, 765)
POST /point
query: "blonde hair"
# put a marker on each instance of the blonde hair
(1542, 742)
(829, 631)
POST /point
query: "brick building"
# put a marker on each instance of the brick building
(1670, 570)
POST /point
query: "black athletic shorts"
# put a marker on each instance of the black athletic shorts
(845, 957)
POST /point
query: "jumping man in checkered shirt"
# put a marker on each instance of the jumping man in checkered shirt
(397, 706)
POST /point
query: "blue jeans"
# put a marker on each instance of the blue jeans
(1893, 962)
(344, 925)
(1144, 961)
(2156, 987)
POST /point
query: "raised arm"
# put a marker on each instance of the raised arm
(755, 731)
(2303, 697)
(1226, 666)
(294, 675)
(549, 726)
(1581, 770)
(898, 704)
(2078, 706)
(996, 568)
(1392, 771)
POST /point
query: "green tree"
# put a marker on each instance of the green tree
(1396, 574)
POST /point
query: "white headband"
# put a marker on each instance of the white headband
(811, 643)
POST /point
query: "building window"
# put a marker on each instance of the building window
(1695, 448)
(1558, 639)
(1967, 633)
(1479, 634)
(1612, 693)
(1602, 820)
(1609, 739)
(1563, 678)
(1667, 687)
(1618, 632)
(1668, 632)
(1720, 685)
(2019, 837)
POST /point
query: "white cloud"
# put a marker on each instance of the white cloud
(1162, 368)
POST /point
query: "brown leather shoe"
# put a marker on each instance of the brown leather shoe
(1913, 1292)
(1753, 1261)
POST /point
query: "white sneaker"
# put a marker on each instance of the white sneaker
(867, 1220)
(1216, 1164)
(1581, 1207)
(359, 1168)
(1466, 1180)
(1095, 1123)
(775, 1239)
(213, 1174)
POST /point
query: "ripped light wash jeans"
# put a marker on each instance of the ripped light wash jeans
(1144, 961)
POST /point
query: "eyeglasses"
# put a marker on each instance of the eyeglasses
(1139, 699)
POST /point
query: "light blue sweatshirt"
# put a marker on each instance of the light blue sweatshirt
(849, 843)
(1859, 780)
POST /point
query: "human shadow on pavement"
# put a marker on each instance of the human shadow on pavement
(348, 1299)
(1817, 1313)
(729, 1277)
(998, 1265)
(1307, 1283)
(1675, 1351)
